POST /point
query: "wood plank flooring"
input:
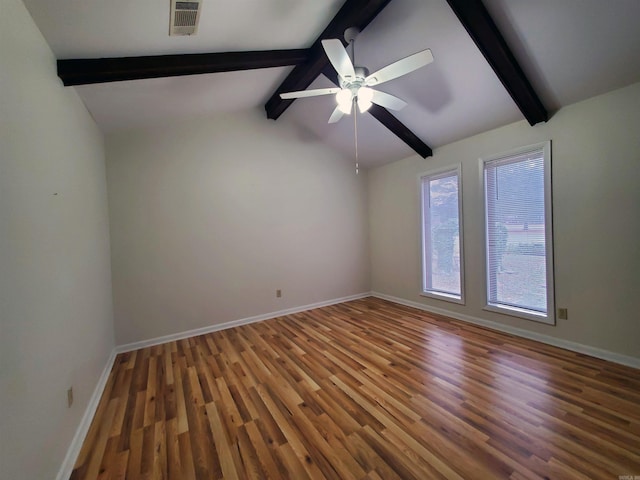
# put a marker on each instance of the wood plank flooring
(363, 390)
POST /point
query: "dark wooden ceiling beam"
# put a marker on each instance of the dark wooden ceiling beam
(400, 130)
(386, 118)
(101, 70)
(354, 13)
(478, 22)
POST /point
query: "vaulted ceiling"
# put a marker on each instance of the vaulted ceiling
(554, 53)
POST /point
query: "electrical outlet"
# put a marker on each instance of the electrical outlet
(70, 397)
(563, 313)
(278, 293)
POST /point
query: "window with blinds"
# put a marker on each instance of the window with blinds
(519, 250)
(442, 260)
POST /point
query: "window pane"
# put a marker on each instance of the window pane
(441, 234)
(516, 227)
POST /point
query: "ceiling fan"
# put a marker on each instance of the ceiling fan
(356, 82)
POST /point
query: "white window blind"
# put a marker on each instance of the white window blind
(441, 235)
(518, 232)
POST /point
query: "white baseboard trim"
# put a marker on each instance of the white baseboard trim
(81, 432)
(234, 323)
(519, 332)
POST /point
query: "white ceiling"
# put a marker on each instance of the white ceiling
(570, 50)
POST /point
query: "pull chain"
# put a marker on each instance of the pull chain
(355, 132)
(352, 42)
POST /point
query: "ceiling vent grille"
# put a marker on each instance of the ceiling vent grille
(185, 16)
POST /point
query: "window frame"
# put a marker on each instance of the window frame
(435, 174)
(549, 317)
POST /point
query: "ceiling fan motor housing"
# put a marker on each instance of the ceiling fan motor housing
(355, 84)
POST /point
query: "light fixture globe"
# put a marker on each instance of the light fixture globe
(365, 95)
(345, 100)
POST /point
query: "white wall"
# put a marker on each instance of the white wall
(596, 200)
(56, 322)
(210, 217)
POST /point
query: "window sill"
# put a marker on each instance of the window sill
(521, 313)
(444, 296)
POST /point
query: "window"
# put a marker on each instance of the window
(442, 262)
(519, 250)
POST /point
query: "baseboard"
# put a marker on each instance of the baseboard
(81, 432)
(234, 323)
(519, 332)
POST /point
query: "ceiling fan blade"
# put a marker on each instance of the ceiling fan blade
(339, 58)
(309, 93)
(387, 101)
(399, 68)
(336, 115)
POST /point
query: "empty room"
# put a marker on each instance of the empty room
(339, 239)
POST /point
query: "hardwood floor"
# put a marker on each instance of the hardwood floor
(363, 390)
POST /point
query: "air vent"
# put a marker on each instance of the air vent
(185, 16)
